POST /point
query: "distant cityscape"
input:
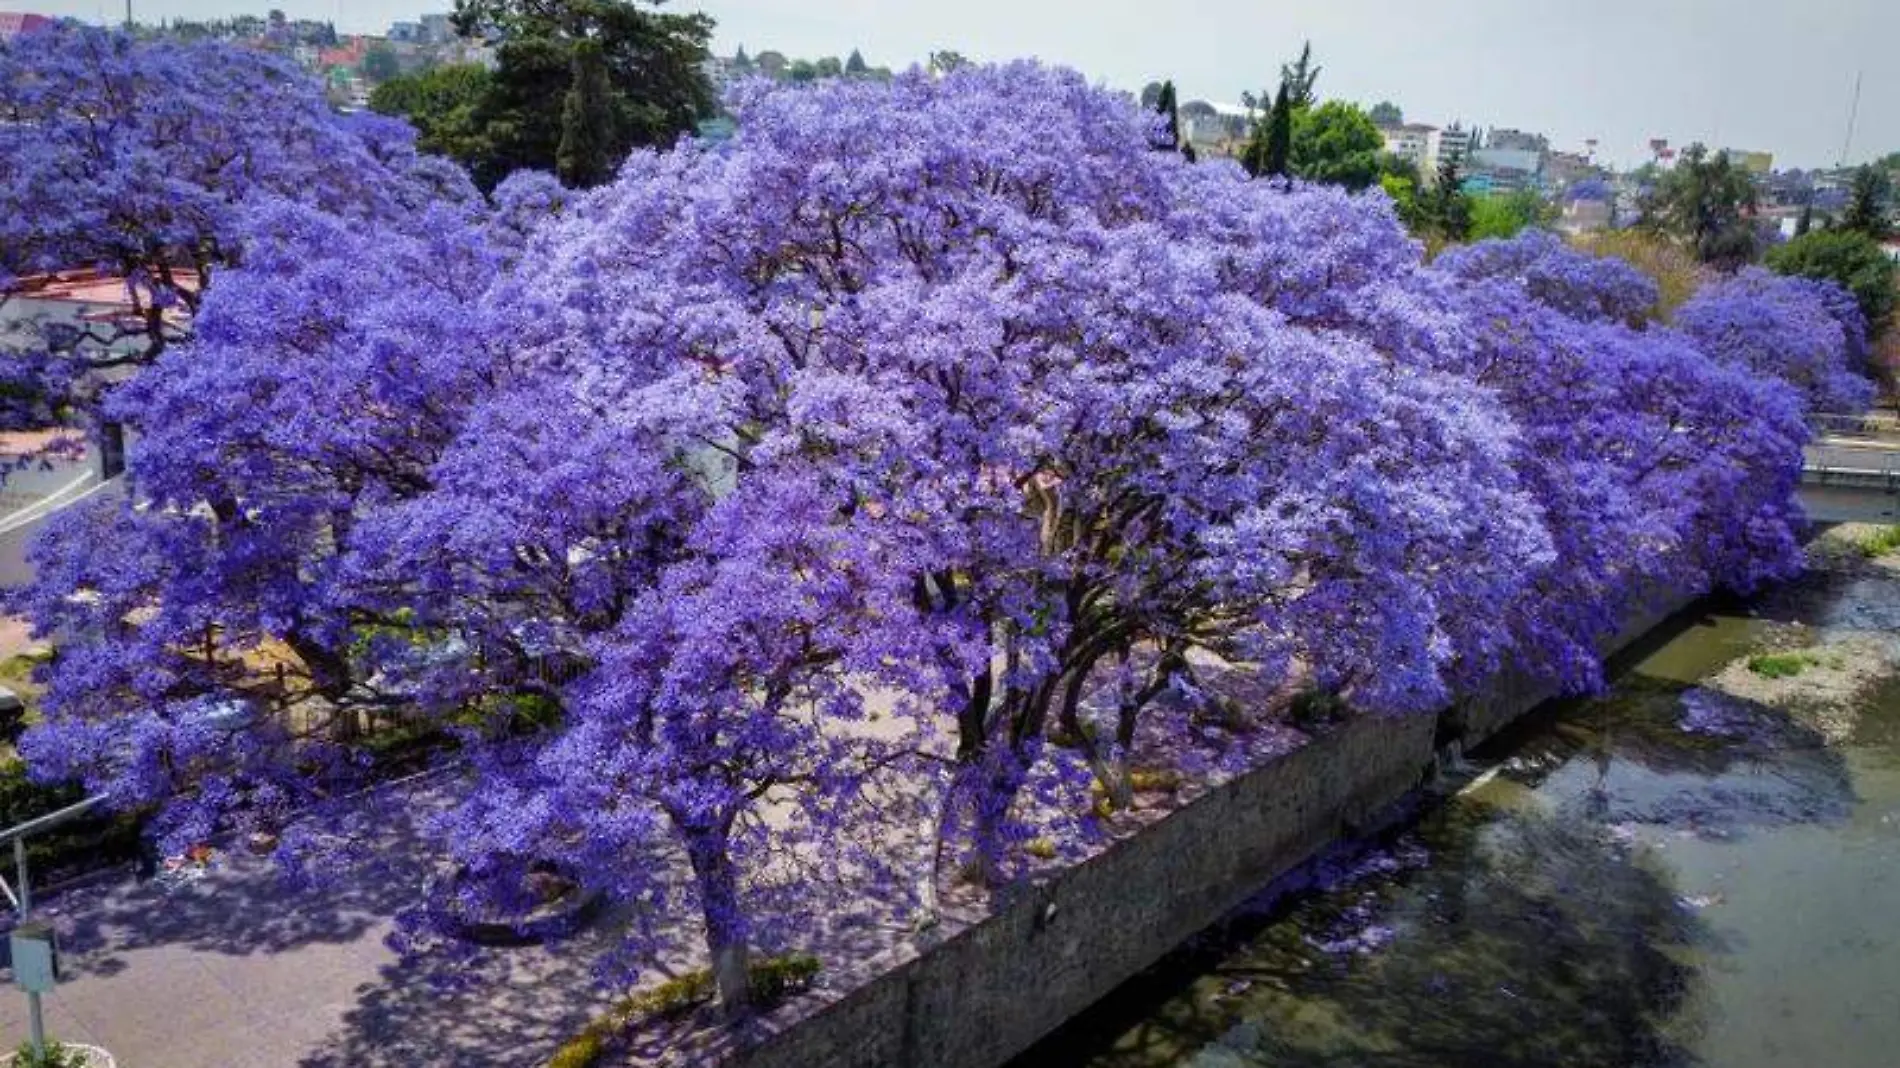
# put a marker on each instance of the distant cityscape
(1590, 195)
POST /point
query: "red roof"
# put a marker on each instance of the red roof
(348, 55)
(14, 23)
(103, 295)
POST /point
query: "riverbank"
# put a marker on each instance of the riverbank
(1697, 868)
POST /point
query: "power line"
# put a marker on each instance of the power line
(1853, 112)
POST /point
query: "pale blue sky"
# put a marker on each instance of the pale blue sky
(1767, 74)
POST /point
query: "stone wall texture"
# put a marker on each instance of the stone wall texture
(989, 991)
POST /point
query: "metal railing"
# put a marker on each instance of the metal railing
(18, 834)
(1853, 465)
(1871, 426)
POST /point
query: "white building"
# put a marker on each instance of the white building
(1215, 129)
(1453, 142)
(1412, 142)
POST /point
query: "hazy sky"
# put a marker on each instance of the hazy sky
(1776, 75)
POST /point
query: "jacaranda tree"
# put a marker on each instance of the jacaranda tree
(1659, 468)
(938, 424)
(141, 160)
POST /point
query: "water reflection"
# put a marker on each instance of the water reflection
(1668, 876)
(1532, 937)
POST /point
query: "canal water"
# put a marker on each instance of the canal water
(1700, 868)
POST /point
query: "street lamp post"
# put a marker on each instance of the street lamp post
(35, 951)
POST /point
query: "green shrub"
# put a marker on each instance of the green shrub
(774, 978)
(56, 1056)
(1848, 258)
(771, 981)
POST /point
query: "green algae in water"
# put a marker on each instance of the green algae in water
(1781, 665)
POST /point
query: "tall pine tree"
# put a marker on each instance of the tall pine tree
(1170, 109)
(1448, 210)
(1867, 204)
(1169, 106)
(586, 155)
(1298, 77)
(1279, 148)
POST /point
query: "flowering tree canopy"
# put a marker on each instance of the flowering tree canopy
(948, 399)
(1660, 468)
(1807, 333)
(142, 160)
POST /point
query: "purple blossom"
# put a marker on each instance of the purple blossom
(143, 160)
(874, 440)
(1806, 333)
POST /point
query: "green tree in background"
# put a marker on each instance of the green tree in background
(443, 104)
(1401, 184)
(1444, 210)
(1848, 257)
(651, 61)
(1335, 143)
(380, 63)
(946, 61)
(855, 65)
(1869, 202)
(1151, 95)
(586, 156)
(1169, 107)
(1275, 138)
(1505, 214)
(1299, 76)
(1706, 202)
(1386, 113)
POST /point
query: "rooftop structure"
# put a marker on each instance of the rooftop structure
(14, 23)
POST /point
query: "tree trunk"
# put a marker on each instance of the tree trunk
(718, 883)
(993, 783)
(1069, 718)
(937, 828)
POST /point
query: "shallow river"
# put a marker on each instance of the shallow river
(1701, 868)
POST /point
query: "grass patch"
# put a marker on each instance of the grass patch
(17, 670)
(772, 980)
(1880, 542)
(16, 674)
(1782, 665)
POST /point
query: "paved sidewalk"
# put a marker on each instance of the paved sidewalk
(233, 970)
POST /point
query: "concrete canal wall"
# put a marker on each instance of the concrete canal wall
(985, 993)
